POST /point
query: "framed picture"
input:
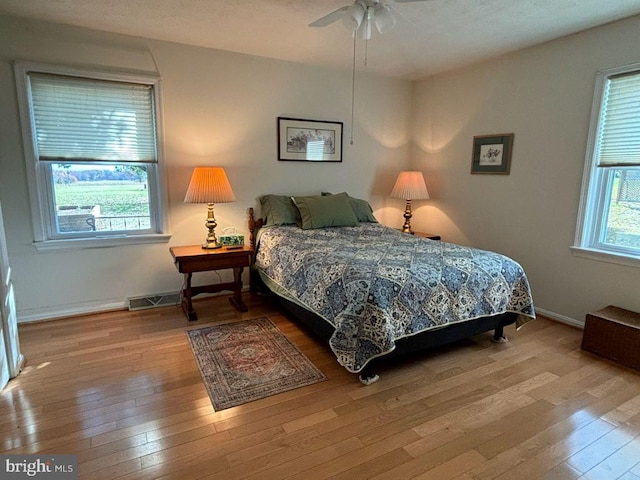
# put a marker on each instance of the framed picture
(309, 140)
(492, 153)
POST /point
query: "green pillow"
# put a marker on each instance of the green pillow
(320, 211)
(361, 208)
(279, 210)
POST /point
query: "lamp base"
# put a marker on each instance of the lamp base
(211, 245)
(406, 228)
(212, 241)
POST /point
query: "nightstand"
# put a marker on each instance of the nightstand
(427, 235)
(193, 258)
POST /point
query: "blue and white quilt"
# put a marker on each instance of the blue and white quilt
(376, 285)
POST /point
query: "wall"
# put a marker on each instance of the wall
(543, 95)
(220, 108)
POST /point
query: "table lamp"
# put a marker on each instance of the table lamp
(409, 186)
(209, 185)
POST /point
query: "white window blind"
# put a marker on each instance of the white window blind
(80, 119)
(619, 133)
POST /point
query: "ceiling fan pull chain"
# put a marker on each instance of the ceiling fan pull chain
(353, 84)
(366, 52)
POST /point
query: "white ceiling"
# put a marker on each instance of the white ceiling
(432, 36)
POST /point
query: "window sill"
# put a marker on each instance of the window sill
(609, 257)
(101, 242)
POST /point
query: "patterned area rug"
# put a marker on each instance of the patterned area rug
(245, 361)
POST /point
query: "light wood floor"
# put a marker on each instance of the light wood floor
(122, 391)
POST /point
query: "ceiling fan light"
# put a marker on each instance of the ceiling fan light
(353, 16)
(384, 18)
(365, 29)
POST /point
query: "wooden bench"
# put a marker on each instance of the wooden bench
(613, 333)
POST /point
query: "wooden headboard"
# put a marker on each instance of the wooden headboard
(254, 225)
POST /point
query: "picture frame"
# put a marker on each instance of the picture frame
(492, 153)
(301, 140)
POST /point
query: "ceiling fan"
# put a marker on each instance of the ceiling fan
(361, 15)
(359, 18)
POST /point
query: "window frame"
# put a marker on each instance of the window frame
(39, 176)
(596, 188)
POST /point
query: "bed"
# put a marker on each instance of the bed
(373, 292)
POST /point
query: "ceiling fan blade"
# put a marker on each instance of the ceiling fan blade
(330, 18)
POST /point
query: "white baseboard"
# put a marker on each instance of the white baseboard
(86, 308)
(560, 318)
(61, 311)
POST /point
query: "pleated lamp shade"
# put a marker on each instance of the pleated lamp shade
(410, 185)
(209, 185)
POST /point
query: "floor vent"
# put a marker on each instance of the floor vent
(161, 300)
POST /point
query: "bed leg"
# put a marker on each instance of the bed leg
(367, 376)
(499, 336)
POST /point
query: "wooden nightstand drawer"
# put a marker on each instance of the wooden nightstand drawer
(194, 258)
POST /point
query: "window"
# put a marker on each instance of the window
(609, 219)
(92, 152)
